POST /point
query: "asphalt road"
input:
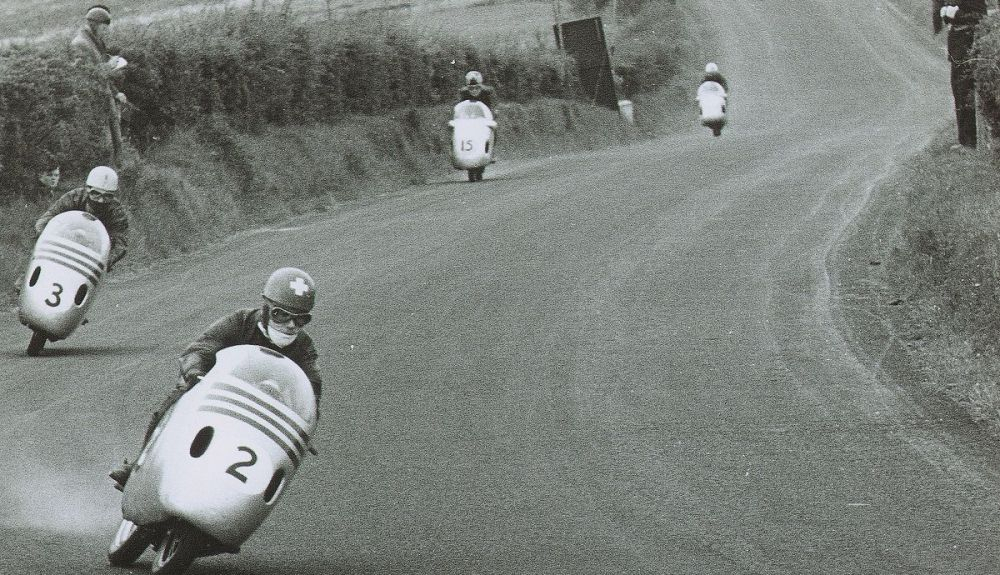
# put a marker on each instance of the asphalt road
(627, 361)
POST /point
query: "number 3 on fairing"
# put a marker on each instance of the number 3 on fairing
(232, 468)
(467, 145)
(58, 290)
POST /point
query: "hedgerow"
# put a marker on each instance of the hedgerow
(254, 68)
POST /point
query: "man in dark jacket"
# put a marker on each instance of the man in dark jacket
(289, 296)
(962, 17)
(96, 197)
(89, 47)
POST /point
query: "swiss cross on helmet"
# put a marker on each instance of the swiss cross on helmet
(291, 289)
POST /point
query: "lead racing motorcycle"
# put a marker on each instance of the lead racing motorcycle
(218, 462)
(66, 269)
(473, 133)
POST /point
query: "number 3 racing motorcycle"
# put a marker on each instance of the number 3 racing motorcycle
(66, 268)
(218, 461)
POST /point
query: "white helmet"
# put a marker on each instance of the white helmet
(103, 178)
(711, 68)
(473, 77)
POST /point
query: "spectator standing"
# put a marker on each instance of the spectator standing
(89, 47)
(962, 17)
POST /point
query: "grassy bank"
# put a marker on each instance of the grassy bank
(919, 279)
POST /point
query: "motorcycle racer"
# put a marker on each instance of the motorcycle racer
(474, 89)
(97, 197)
(288, 298)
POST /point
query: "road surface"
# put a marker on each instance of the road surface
(625, 361)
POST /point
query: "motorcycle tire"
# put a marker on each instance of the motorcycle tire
(37, 342)
(129, 543)
(177, 550)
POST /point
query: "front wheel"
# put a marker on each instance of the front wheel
(177, 550)
(38, 339)
(129, 543)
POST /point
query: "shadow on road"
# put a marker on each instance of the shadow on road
(96, 351)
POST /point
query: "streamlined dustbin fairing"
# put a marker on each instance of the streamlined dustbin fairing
(712, 102)
(66, 269)
(218, 461)
(473, 132)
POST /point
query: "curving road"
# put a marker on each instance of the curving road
(621, 362)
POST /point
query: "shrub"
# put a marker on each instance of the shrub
(49, 116)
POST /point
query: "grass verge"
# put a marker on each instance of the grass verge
(919, 284)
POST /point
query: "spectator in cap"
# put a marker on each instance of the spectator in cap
(89, 47)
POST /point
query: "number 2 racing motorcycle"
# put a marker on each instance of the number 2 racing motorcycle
(218, 461)
(472, 136)
(64, 273)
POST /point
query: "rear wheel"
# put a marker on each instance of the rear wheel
(38, 339)
(129, 543)
(178, 549)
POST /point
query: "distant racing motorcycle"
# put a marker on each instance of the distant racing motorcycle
(472, 136)
(711, 100)
(218, 462)
(64, 273)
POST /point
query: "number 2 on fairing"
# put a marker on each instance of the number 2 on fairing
(467, 145)
(232, 468)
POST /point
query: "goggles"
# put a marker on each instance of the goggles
(279, 315)
(99, 195)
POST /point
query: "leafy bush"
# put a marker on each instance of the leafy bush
(255, 68)
(49, 116)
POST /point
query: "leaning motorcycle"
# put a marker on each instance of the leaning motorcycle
(711, 100)
(218, 462)
(64, 273)
(473, 132)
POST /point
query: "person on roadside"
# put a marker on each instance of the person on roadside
(90, 49)
(50, 184)
(962, 17)
(288, 299)
(475, 90)
(98, 198)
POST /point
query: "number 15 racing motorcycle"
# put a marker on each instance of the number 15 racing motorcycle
(218, 462)
(473, 133)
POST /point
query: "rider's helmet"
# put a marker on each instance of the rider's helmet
(290, 289)
(103, 178)
(711, 68)
(473, 77)
(99, 14)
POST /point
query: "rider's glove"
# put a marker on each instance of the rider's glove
(188, 380)
(948, 13)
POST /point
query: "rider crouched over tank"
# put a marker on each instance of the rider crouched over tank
(712, 74)
(97, 197)
(288, 298)
(475, 90)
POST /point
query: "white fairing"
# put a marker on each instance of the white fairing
(223, 455)
(472, 135)
(66, 268)
(712, 100)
